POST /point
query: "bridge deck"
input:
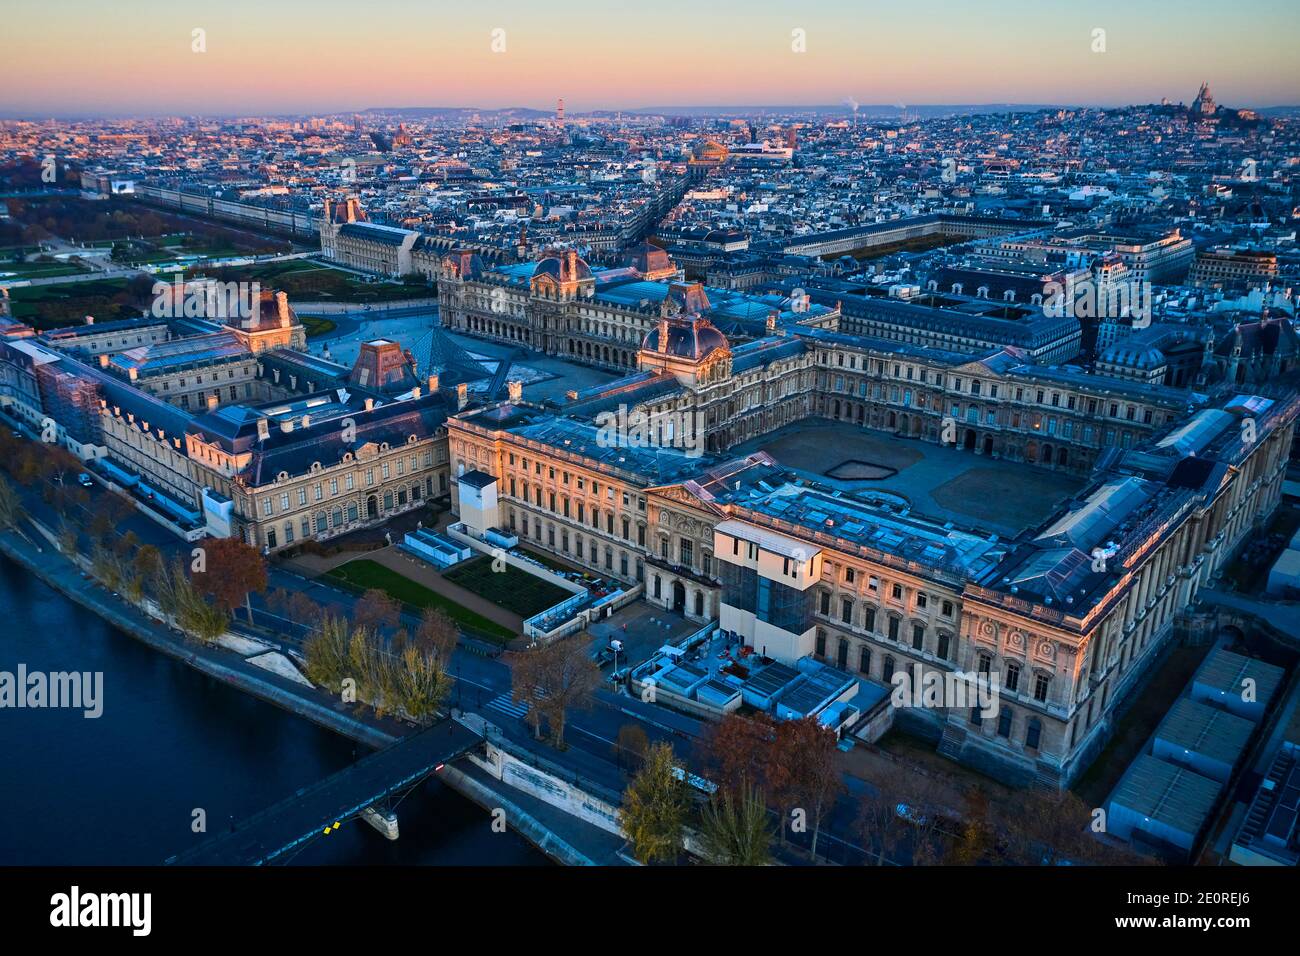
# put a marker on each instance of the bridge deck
(300, 817)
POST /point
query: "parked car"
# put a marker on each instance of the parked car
(85, 480)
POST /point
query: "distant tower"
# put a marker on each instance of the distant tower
(559, 112)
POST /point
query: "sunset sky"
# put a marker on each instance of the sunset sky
(60, 57)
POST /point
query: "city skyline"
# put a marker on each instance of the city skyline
(254, 61)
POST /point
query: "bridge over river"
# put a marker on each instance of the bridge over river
(357, 790)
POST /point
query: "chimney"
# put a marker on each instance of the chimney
(771, 324)
(515, 390)
(662, 345)
(103, 361)
(370, 404)
(282, 309)
(263, 429)
(415, 392)
(132, 373)
(213, 401)
(90, 320)
(433, 384)
(286, 425)
(462, 396)
(306, 421)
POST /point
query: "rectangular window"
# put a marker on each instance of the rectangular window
(1040, 687)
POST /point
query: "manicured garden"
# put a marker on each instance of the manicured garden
(510, 588)
(364, 574)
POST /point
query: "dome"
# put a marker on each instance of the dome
(649, 259)
(693, 338)
(564, 266)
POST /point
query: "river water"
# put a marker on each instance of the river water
(123, 788)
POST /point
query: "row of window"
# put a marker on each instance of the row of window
(1038, 396)
(317, 490)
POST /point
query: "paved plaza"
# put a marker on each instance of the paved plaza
(945, 483)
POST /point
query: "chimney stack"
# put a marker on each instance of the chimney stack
(282, 309)
(103, 360)
(515, 390)
(370, 404)
(462, 396)
(433, 384)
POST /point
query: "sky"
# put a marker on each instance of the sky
(139, 57)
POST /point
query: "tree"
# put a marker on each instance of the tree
(571, 678)
(737, 751)
(631, 745)
(375, 609)
(147, 561)
(555, 677)
(11, 506)
(107, 511)
(422, 684)
(303, 609)
(69, 536)
(326, 653)
(230, 570)
(975, 839)
(881, 827)
(655, 806)
(804, 772)
(185, 606)
(735, 829)
(527, 682)
(373, 668)
(1051, 826)
(437, 633)
(921, 801)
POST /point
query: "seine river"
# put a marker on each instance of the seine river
(123, 788)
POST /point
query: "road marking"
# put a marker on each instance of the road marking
(503, 703)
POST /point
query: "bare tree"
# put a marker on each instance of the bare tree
(804, 770)
(631, 746)
(437, 632)
(737, 751)
(375, 609)
(551, 679)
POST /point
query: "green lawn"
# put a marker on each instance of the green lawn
(308, 281)
(317, 325)
(513, 589)
(40, 270)
(58, 304)
(365, 574)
